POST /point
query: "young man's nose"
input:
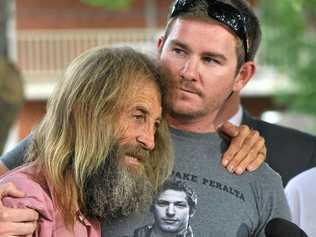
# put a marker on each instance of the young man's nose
(190, 69)
(171, 210)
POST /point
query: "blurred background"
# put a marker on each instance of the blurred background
(39, 38)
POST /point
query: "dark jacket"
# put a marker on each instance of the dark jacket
(289, 151)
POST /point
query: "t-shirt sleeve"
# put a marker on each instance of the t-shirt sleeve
(272, 202)
(15, 157)
(36, 198)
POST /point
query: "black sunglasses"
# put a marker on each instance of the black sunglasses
(223, 13)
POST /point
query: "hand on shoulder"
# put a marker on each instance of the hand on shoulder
(15, 222)
(246, 151)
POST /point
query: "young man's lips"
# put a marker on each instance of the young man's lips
(189, 91)
(170, 221)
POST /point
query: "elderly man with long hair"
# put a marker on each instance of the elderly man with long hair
(103, 147)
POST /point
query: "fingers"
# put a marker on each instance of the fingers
(17, 229)
(229, 129)
(254, 159)
(13, 221)
(17, 222)
(246, 151)
(9, 189)
(235, 146)
(18, 215)
(261, 157)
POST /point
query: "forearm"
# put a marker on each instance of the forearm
(15, 157)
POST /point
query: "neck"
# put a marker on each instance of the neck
(158, 233)
(229, 109)
(202, 124)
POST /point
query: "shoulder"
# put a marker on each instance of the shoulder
(21, 177)
(143, 231)
(269, 193)
(36, 195)
(265, 177)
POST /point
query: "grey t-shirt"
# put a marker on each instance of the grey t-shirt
(15, 157)
(228, 205)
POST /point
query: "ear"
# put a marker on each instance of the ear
(160, 43)
(244, 75)
(192, 211)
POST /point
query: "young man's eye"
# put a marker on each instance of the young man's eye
(181, 205)
(209, 60)
(178, 51)
(162, 203)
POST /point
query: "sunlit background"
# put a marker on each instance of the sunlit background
(42, 36)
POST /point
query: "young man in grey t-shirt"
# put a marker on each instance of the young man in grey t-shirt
(209, 48)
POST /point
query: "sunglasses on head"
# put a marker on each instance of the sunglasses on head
(221, 12)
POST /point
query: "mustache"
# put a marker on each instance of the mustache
(188, 86)
(136, 151)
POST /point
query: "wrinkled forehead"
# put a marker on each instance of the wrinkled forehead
(143, 84)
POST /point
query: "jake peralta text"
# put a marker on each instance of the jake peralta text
(208, 182)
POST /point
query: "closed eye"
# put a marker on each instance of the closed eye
(139, 115)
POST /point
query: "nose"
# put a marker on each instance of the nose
(190, 69)
(170, 210)
(146, 138)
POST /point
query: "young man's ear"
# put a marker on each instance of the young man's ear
(245, 73)
(160, 43)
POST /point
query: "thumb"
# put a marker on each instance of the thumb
(228, 129)
(9, 189)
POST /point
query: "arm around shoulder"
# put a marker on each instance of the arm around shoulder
(15, 157)
(15, 222)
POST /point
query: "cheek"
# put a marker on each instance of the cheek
(127, 135)
(220, 86)
(172, 63)
(124, 130)
(159, 212)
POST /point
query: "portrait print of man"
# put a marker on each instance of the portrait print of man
(172, 210)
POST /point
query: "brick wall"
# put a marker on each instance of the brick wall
(63, 14)
(72, 14)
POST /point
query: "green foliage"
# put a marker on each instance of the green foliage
(289, 43)
(110, 4)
